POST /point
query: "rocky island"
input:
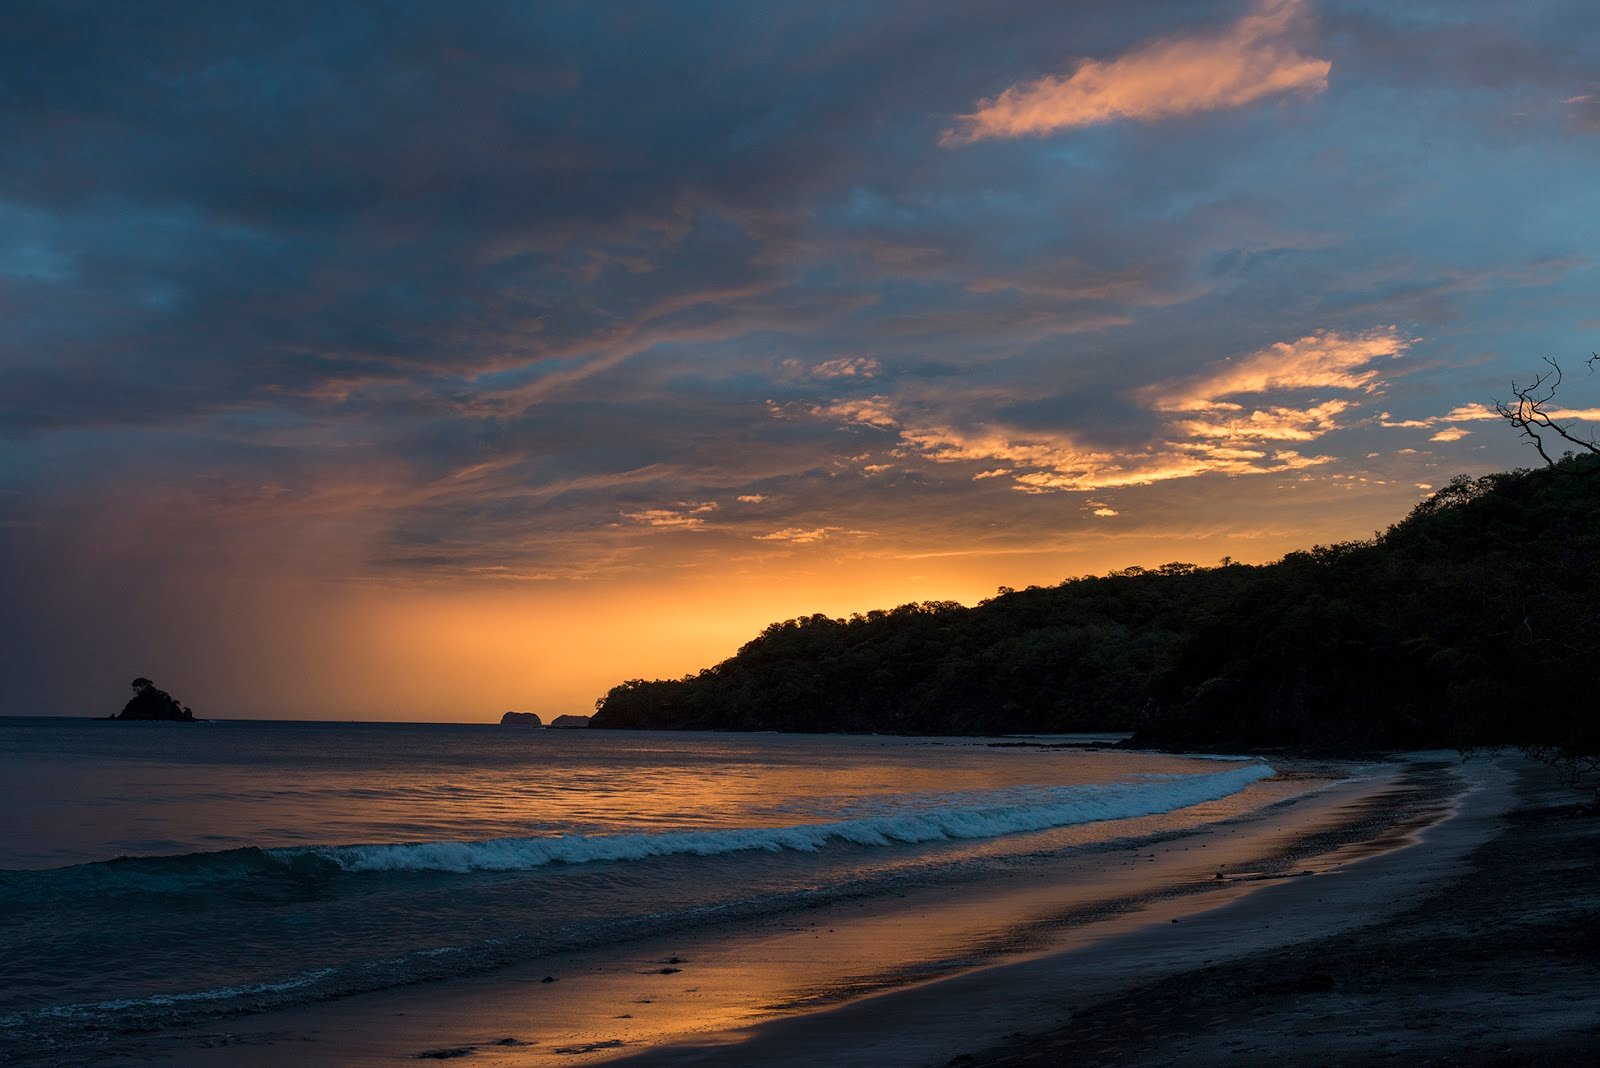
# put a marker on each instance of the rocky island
(521, 719)
(149, 703)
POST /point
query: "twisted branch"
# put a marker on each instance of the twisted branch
(1530, 412)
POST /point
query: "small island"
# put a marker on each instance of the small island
(149, 703)
(570, 721)
(521, 719)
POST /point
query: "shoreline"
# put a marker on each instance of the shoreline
(803, 969)
(980, 1016)
(1499, 964)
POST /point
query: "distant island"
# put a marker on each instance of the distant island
(149, 703)
(1470, 622)
(530, 720)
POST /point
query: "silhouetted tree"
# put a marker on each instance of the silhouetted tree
(1561, 624)
(1465, 623)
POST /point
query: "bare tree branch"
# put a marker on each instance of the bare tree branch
(1531, 414)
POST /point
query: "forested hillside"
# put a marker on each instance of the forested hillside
(1476, 619)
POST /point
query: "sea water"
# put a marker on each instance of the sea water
(156, 874)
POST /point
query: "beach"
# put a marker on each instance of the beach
(1497, 963)
(1393, 915)
(164, 892)
(760, 535)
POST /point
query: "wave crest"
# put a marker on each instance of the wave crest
(1044, 809)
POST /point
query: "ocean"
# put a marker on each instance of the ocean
(154, 875)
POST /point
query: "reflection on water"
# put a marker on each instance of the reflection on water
(269, 870)
(90, 790)
(689, 990)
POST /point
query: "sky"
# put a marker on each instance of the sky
(425, 361)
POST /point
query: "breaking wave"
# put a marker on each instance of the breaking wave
(950, 817)
(352, 918)
(998, 815)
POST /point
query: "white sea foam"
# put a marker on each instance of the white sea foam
(988, 816)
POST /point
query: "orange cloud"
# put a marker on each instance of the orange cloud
(1205, 432)
(1468, 413)
(687, 515)
(1473, 413)
(798, 535)
(1324, 360)
(848, 367)
(950, 445)
(1270, 424)
(872, 411)
(1051, 463)
(1252, 59)
(808, 535)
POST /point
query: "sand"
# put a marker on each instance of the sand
(1437, 915)
(1499, 964)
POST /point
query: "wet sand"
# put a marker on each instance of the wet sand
(1387, 852)
(1499, 965)
(918, 979)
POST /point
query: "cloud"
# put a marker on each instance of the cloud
(848, 367)
(751, 498)
(686, 515)
(808, 535)
(1045, 463)
(876, 411)
(1469, 413)
(1328, 359)
(1585, 111)
(1474, 413)
(1156, 466)
(1269, 424)
(1201, 429)
(1254, 58)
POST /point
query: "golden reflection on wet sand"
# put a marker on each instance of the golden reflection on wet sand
(705, 987)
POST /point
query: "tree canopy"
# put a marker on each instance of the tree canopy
(1471, 621)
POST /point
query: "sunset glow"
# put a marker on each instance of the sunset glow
(429, 364)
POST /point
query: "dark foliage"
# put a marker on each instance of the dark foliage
(150, 703)
(1474, 621)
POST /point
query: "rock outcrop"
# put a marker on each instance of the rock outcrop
(149, 703)
(570, 721)
(521, 719)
